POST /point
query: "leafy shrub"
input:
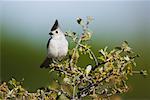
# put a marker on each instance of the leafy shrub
(106, 78)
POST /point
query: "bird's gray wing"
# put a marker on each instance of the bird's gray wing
(48, 42)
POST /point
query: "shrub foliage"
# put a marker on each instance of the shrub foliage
(106, 77)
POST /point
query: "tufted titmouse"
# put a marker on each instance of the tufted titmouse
(57, 46)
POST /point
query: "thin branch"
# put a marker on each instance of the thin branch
(56, 68)
(74, 90)
(62, 92)
(102, 63)
(93, 55)
(84, 27)
(99, 64)
(77, 45)
(85, 90)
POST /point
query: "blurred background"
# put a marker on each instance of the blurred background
(24, 28)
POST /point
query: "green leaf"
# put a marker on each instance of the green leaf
(13, 82)
(101, 58)
(102, 52)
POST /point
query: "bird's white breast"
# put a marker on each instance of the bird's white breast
(58, 48)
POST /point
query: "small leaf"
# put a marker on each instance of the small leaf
(90, 18)
(13, 82)
(126, 42)
(102, 52)
(105, 49)
(143, 72)
(101, 58)
(75, 56)
(81, 49)
(88, 69)
(79, 21)
(119, 48)
(74, 33)
(86, 36)
(67, 80)
(127, 58)
(63, 97)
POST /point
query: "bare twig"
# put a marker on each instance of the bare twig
(74, 90)
(99, 64)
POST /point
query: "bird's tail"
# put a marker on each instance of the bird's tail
(46, 63)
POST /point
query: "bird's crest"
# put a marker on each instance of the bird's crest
(55, 26)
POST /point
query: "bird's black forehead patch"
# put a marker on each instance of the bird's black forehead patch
(55, 26)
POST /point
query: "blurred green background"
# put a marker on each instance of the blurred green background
(24, 28)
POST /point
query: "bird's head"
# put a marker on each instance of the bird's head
(56, 31)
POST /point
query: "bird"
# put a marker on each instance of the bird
(57, 45)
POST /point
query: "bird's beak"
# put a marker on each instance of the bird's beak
(50, 33)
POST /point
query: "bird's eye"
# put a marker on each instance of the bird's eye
(56, 31)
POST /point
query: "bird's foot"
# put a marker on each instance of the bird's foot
(55, 61)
